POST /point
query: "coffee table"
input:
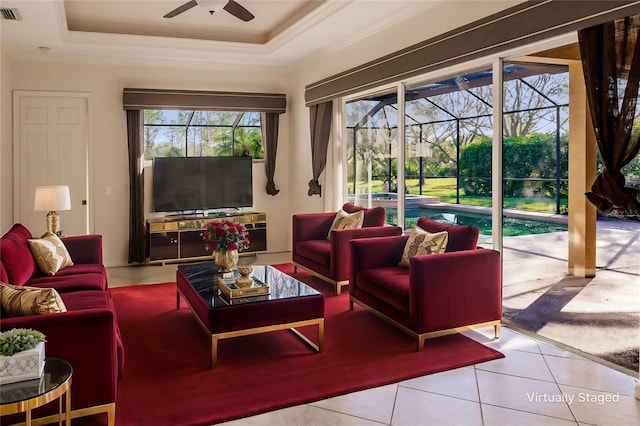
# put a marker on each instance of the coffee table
(290, 304)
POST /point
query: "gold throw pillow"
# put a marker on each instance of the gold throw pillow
(344, 220)
(50, 253)
(22, 300)
(421, 242)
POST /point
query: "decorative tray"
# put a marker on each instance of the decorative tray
(231, 290)
(242, 300)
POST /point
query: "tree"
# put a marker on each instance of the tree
(446, 117)
(527, 97)
(202, 133)
(453, 120)
(150, 132)
(373, 127)
(248, 142)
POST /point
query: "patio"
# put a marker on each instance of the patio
(599, 316)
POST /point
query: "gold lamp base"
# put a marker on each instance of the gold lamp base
(53, 222)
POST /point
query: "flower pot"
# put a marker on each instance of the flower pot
(225, 260)
(25, 365)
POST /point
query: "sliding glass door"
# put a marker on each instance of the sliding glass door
(447, 170)
(371, 137)
(448, 150)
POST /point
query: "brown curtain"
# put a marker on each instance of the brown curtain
(611, 64)
(320, 117)
(136, 187)
(270, 121)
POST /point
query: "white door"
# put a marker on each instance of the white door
(50, 148)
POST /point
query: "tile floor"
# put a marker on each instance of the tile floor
(537, 383)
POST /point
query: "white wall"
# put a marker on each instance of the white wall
(108, 142)
(6, 145)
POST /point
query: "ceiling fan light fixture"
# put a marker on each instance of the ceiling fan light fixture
(231, 6)
(212, 5)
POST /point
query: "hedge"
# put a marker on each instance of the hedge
(524, 158)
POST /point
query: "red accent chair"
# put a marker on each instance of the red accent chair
(329, 259)
(438, 294)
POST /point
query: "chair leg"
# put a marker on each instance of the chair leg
(295, 269)
(351, 305)
(111, 415)
(496, 331)
(421, 340)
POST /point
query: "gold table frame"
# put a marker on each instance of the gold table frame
(216, 337)
(27, 405)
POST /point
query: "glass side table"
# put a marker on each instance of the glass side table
(22, 397)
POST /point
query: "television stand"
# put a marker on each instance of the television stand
(178, 238)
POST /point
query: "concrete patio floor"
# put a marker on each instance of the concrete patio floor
(600, 316)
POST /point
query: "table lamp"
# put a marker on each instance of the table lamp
(49, 199)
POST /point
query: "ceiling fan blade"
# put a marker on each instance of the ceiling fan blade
(178, 10)
(237, 10)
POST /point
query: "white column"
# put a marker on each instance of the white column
(496, 156)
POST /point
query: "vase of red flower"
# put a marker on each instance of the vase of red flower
(225, 260)
(225, 238)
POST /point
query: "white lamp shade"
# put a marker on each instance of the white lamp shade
(51, 198)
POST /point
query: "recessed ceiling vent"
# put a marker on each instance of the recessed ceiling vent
(10, 14)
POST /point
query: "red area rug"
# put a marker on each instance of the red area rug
(167, 380)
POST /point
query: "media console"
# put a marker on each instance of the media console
(177, 238)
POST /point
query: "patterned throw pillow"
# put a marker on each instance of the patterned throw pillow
(22, 300)
(344, 220)
(422, 242)
(50, 253)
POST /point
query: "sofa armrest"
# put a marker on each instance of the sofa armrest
(340, 237)
(455, 289)
(376, 252)
(341, 252)
(311, 226)
(87, 340)
(84, 248)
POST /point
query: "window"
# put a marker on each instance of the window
(182, 133)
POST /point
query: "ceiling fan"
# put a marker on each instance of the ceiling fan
(231, 6)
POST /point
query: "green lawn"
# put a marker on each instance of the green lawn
(445, 189)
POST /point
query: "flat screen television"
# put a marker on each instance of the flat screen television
(202, 183)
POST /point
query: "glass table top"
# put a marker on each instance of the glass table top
(56, 373)
(203, 277)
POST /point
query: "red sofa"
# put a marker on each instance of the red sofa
(87, 335)
(329, 259)
(438, 294)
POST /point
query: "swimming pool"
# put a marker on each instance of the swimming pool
(511, 226)
(424, 206)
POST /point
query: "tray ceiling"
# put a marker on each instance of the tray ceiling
(272, 17)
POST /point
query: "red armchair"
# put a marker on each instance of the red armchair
(438, 294)
(329, 259)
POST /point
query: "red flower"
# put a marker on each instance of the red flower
(225, 235)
